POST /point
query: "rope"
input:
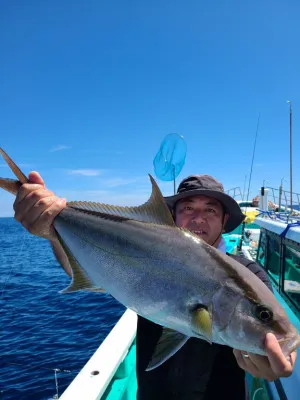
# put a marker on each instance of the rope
(255, 393)
(288, 227)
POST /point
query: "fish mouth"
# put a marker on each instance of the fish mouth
(289, 344)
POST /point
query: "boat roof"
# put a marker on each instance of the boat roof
(278, 227)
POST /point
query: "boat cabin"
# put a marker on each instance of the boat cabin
(279, 254)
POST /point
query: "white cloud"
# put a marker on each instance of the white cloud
(114, 182)
(86, 172)
(59, 148)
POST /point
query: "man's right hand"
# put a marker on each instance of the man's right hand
(36, 207)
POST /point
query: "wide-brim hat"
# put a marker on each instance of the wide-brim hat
(206, 185)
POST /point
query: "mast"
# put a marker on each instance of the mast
(291, 156)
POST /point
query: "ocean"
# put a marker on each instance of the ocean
(41, 329)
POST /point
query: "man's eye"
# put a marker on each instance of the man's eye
(187, 208)
(211, 210)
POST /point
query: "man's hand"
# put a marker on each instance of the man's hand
(36, 207)
(270, 367)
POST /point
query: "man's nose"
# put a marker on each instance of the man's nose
(198, 218)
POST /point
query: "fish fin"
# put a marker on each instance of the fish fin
(10, 185)
(202, 323)
(97, 290)
(15, 169)
(79, 279)
(155, 210)
(168, 344)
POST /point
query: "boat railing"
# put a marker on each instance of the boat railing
(235, 193)
(281, 203)
(284, 200)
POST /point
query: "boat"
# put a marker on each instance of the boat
(272, 239)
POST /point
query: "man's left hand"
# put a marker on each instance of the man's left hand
(270, 367)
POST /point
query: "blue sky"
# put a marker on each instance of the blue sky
(89, 89)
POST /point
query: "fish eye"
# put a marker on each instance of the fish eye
(263, 313)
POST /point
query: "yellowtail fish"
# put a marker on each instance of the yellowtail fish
(167, 275)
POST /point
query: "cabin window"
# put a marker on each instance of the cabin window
(291, 285)
(273, 265)
(261, 253)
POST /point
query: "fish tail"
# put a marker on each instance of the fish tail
(11, 185)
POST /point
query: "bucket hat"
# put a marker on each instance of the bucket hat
(206, 185)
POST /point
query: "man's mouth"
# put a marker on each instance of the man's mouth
(199, 231)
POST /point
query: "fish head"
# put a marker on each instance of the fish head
(252, 321)
(242, 319)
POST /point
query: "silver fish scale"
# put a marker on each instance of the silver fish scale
(139, 263)
(163, 273)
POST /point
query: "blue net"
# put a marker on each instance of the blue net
(170, 158)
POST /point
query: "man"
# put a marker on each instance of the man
(198, 370)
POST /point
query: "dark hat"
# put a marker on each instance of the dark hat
(206, 185)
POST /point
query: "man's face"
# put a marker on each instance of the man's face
(202, 215)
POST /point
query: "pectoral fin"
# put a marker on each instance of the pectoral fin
(169, 343)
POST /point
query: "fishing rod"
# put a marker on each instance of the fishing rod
(248, 192)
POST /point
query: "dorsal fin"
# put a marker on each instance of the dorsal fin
(155, 210)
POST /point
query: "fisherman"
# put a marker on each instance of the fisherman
(199, 370)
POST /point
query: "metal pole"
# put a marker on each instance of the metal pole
(291, 150)
(174, 179)
(244, 188)
(280, 194)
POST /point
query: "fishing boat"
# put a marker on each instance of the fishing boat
(269, 237)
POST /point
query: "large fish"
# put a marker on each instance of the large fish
(167, 275)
